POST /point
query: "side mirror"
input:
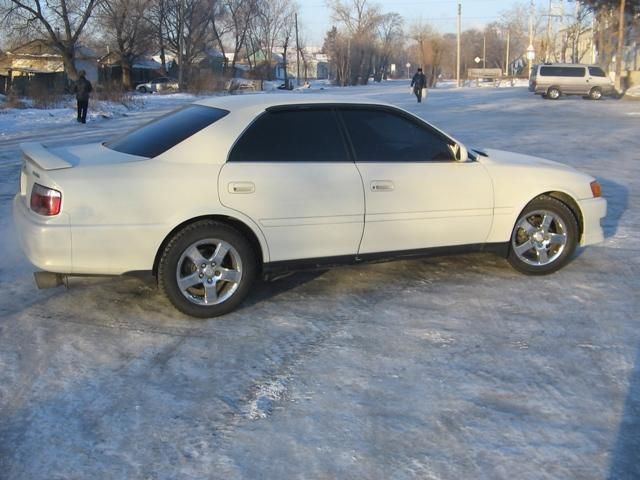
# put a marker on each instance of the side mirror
(460, 152)
(463, 154)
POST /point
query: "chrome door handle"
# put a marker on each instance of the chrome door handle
(382, 186)
(241, 187)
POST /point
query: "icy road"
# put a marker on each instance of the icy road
(451, 368)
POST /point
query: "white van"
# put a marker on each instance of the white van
(554, 80)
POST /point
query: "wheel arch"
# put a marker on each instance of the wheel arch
(242, 227)
(569, 201)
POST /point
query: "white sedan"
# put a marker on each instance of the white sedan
(161, 84)
(225, 189)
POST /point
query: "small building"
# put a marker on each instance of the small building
(314, 65)
(37, 64)
(143, 69)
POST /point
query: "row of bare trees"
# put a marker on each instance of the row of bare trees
(186, 30)
(364, 43)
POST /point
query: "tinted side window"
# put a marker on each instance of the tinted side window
(573, 71)
(384, 136)
(549, 71)
(160, 135)
(296, 135)
(596, 72)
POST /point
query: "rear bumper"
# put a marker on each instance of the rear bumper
(593, 211)
(46, 241)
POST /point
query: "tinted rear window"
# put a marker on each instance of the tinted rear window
(298, 135)
(160, 135)
(562, 71)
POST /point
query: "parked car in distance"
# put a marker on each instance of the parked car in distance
(225, 189)
(554, 80)
(161, 84)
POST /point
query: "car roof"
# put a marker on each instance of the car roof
(254, 103)
(567, 65)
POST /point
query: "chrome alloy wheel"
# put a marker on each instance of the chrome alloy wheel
(209, 271)
(539, 238)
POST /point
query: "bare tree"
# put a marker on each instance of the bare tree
(156, 15)
(359, 21)
(271, 29)
(239, 14)
(60, 22)
(390, 34)
(220, 27)
(430, 51)
(515, 20)
(127, 30)
(186, 31)
(612, 17)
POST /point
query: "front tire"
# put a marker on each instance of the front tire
(544, 237)
(207, 269)
(553, 93)
(595, 93)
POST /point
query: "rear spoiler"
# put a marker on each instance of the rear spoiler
(42, 157)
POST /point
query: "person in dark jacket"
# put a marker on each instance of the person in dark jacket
(419, 82)
(82, 89)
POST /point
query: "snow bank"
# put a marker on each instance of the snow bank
(633, 92)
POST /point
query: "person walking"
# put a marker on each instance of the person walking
(82, 89)
(418, 82)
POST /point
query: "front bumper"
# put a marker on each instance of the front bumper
(593, 211)
(46, 241)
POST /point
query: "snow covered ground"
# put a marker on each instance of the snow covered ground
(449, 368)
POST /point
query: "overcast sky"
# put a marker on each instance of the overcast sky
(315, 17)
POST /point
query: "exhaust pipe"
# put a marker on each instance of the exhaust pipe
(50, 280)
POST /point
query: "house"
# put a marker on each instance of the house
(143, 69)
(210, 61)
(37, 64)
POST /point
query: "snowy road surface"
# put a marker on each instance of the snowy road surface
(449, 368)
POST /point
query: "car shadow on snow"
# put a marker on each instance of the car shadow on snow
(267, 289)
(617, 203)
(624, 458)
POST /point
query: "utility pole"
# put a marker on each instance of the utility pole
(530, 38)
(620, 52)
(458, 46)
(348, 79)
(484, 51)
(297, 53)
(506, 62)
(180, 45)
(548, 36)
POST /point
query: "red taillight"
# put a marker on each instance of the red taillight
(45, 201)
(596, 189)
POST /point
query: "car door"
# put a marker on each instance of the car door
(416, 195)
(598, 78)
(291, 173)
(576, 80)
(162, 84)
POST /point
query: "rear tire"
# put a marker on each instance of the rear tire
(207, 269)
(143, 89)
(544, 237)
(553, 93)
